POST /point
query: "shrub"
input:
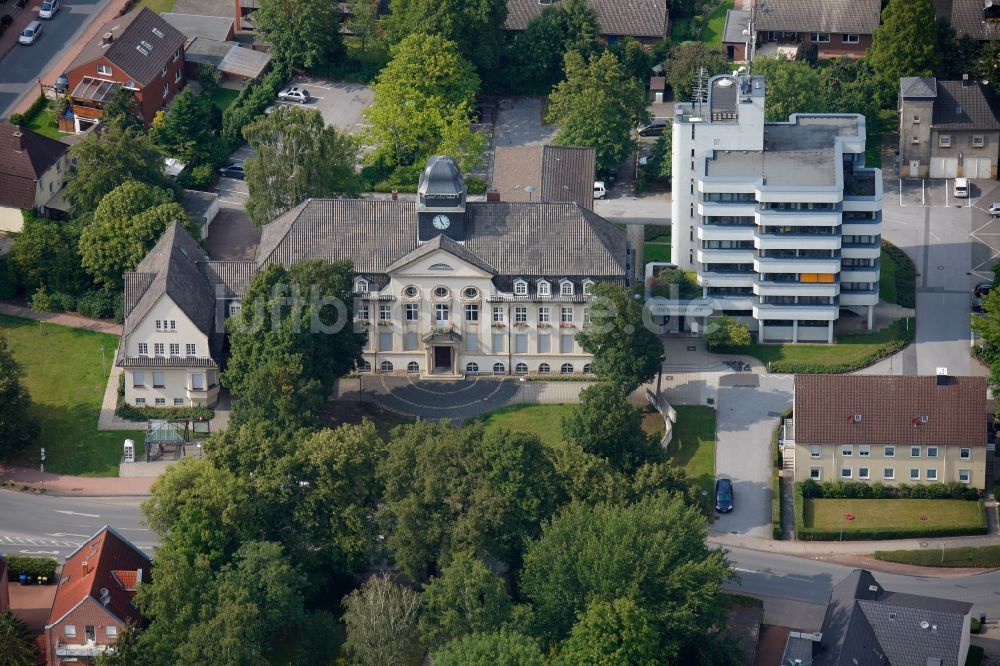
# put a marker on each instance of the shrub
(63, 301)
(862, 490)
(475, 185)
(41, 301)
(664, 284)
(100, 304)
(209, 77)
(725, 332)
(199, 177)
(132, 413)
(9, 278)
(906, 275)
(777, 497)
(904, 331)
(35, 567)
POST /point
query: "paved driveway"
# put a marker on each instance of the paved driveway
(433, 400)
(749, 406)
(519, 123)
(340, 103)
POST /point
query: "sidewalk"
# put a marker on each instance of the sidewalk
(72, 321)
(9, 38)
(86, 486)
(825, 550)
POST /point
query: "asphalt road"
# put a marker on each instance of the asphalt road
(24, 65)
(44, 525)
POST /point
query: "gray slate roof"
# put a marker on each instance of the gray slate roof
(737, 21)
(858, 628)
(208, 51)
(513, 238)
(211, 27)
(206, 8)
(245, 62)
(972, 106)
(834, 16)
(967, 17)
(638, 18)
(918, 87)
(558, 174)
(143, 43)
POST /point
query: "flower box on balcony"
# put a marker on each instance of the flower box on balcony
(544, 325)
(567, 324)
(499, 324)
(384, 322)
(520, 324)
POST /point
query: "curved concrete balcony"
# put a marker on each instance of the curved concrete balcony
(725, 279)
(796, 265)
(797, 242)
(792, 311)
(772, 288)
(713, 256)
(726, 232)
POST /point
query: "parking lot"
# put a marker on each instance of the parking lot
(340, 103)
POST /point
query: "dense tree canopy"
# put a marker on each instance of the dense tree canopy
(17, 640)
(467, 598)
(302, 33)
(596, 106)
(46, 253)
(616, 632)
(298, 156)
(684, 64)
(904, 44)
(474, 26)
(381, 619)
(122, 110)
(792, 87)
(190, 129)
(987, 325)
(501, 647)
(423, 106)
(537, 54)
(18, 428)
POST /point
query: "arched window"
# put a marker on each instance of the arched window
(365, 366)
(410, 291)
(441, 292)
(566, 369)
(588, 287)
(521, 369)
(520, 288)
(544, 369)
(472, 368)
(544, 288)
(361, 286)
(586, 369)
(499, 368)
(566, 288)
(386, 366)
(412, 366)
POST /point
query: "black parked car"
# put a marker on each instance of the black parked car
(233, 170)
(983, 288)
(654, 128)
(723, 495)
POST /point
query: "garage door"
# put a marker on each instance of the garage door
(976, 167)
(944, 167)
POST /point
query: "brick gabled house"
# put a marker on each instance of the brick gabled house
(140, 51)
(647, 21)
(95, 598)
(33, 172)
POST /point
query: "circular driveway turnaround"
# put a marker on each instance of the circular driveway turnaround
(434, 400)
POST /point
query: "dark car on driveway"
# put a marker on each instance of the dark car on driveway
(982, 289)
(233, 170)
(723, 495)
(655, 128)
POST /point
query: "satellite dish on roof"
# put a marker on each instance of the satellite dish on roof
(987, 4)
(724, 83)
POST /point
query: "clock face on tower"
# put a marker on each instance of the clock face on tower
(441, 222)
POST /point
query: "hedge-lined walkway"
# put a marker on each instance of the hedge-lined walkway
(72, 321)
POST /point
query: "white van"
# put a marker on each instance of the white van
(961, 188)
(599, 190)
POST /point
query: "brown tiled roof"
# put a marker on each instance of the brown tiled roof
(836, 16)
(967, 17)
(891, 408)
(90, 569)
(143, 42)
(638, 18)
(22, 161)
(557, 173)
(972, 106)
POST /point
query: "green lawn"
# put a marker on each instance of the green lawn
(223, 97)
(889, 514)
(852, 351)
(979, 557)
(693, 444)
(158, 6)
(66, 375)
(715, 24)
(542, 420)
(887, 278)
(656, 252)
(45, 124)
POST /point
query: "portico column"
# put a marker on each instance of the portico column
(795, 330)
(760, 330)
(871, 316)
(829, 333)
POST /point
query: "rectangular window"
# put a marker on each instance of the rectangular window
(944, 141)
(521, 288)
(471, 312)
(586, 316)
(931, 474)
(863, 473)
(441, 312)
(565, 344)
(914, 474)
(815, 450)
(543, 344)
(889, 473)
(175, 349)
(543, 316)
(138, 379)
(932, 452)
(978, 141)
(544, 289)
(70, 630)
(385, 313)
(521, 344)
(189, 349)
(177, 76)
(177, 54)
(566, 289)
(198, 381)
(889, 451)
(965, 454)
(104, 70)
(916, 120)
(914, 451)
(847, 450)
(111, 631)
(964, 475)
(816, 473)
(159, 325)
(864, 450)
(498, 343)
(178, 402)
(173, 324)
(850, 39)
(143, 349)
(498, 314)
(914, 139)
(160, 402)
(362, 313)
(520, 315)
(412, 311)
(159, 380)
(471, 341)
(410, 341)
(845, 472)
(163, 72)
(166, 89)
(566, 315)
(140, 402)
(819, 37)
(385, 341)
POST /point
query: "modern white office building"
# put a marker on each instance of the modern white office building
(781, 221)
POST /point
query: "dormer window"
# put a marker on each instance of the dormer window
(566, 288)
(361, 286)
(544, 288)
(520, 288)
(588, 287)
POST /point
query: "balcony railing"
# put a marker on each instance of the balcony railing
(88, 649)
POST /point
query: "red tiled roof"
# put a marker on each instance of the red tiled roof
(891, 410)
(22, 160)
(127, 578)
(93, 566)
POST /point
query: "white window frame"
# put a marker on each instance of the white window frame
(864, 473)
(978, 141)
(816, 473)
(384, 312)
(846, 450)
(140, 402)
(544, 315)
(471, 312)
(111, 631)
(166, 90)
(889, 451)
(104, 70)
(69, 630)
(498, 314)
(363, 313)
(935, 452)
(819, 37)
(849, 475)
(138, 379)
(566, 315)
(544, 288)
(178, 402)
(888, 473)
(175, 349)
(815, 450)
(143, 349)
(918, 450)
(965, 453)
(361, 286)
(944, 141)
(160, 402)
(864, 450)
(850, 39)
(177, 76)
(967, 473)
(566, 288)
(588, 287)
(931, 474)
(158, 349)
(412, 311)
(520, 288)
(235, 308)
(442, 309)
(159, 325)
(177, 54)
(520, 315)
(163, 72)
(914, 477)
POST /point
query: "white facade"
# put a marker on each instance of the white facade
(442, 316)
(47, 187)
(781, 222)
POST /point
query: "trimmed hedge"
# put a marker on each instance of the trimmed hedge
(36, 107)
(777, 493)
(35, 567)
(977, 557)
(906, 275)
(804, 533)
(133, 413)
(904, 336)
(862, 490)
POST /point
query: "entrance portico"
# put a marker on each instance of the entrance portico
(442, 352)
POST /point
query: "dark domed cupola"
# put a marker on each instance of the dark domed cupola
(441, 200)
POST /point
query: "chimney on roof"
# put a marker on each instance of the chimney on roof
(107, 39)
(941, 377)
(965, 80)
(18, 142)
(395, 195)
(493, 195)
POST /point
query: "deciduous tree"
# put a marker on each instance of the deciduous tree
(46, 252)
(904, 44)
(126, 650)
(625, 350)
(381, 619)
(792, 87)
(615, 632)
(501, 647)
(537, 54)
(18, 428)
(190, 130)
(726, 332)
(122, 110)
(363, 20)
(597, 105)
(467, 598)
(302, 33)
(298, 156)
(686, 61)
